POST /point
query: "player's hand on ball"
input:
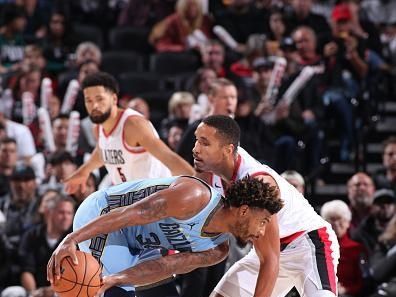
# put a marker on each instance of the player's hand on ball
(107, 282)
(67, 248)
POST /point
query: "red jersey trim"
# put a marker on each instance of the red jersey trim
(115, 125)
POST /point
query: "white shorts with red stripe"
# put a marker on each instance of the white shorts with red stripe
(308, 263)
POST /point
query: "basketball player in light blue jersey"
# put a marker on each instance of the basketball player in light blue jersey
(127, 225)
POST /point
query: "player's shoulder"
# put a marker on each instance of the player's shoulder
(195, 186)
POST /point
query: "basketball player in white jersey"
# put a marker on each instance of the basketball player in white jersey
(128, 145)
(298, 249)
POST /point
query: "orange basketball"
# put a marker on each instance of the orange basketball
(82, 280)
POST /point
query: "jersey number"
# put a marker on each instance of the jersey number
(148, 242)
(122, 175)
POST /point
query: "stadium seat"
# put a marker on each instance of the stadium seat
(169, 63)
(89, 33)
(117, 62)
(127, 38)
(135, 83)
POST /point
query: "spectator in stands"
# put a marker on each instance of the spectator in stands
(36, 19)
(8, 161)
(144, 14)
(87, 51)
(28, 80)
(175, 33)
(241, 19)
(286, 124)
(33, 58)
(200, 88)
(301, 15)
(54, 107)
(179, 109)
(175, 131)
(257, 138)
(295, 179)
(59, 42)
(20, 209)
(345, 69)
(223, 99)
(140, 105)
(24, 139)
(360, 195)
(60, 165)
(277, 32)
(38, 243)
(213, 57)
(242, 70)
(11, 40)
(349, 272)
(386, 177)
(383, 209)
(383, 262)
(59, 130)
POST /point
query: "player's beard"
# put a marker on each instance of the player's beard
(101, 117)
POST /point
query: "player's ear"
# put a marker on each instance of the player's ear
(243, 210)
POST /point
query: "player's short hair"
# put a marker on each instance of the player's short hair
(101, 79)
(226, 127)
(253, 193)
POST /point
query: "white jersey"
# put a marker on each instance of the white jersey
(297, 215)
(124, 162)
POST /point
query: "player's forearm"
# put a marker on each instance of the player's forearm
(94, 162)
(266, 279)
(179, 166)
(153, 271)
(105, 224)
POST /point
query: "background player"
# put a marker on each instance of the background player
(128, 144)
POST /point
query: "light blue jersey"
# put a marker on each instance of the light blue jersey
(127, 247)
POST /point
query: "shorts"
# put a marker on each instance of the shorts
(308, 263)
(111, 250)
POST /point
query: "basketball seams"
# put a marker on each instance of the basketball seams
(75, 276)
(85, 273)
(93, 276)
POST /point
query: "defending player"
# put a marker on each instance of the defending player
(299, 248)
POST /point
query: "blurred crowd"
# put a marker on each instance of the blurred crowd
(293, 73)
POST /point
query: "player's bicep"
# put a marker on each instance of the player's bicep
(146, 138)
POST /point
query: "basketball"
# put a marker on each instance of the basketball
(82, 280)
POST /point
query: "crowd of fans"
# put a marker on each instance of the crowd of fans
(166, 68)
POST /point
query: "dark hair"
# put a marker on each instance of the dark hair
(101, 79)
(219, 83)
(59, 157)
(61, 116)
(253, 193)
(226, 127)
(10, 12)
(6, 140)
(388, 141)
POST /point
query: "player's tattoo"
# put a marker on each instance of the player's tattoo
(153, 209)
(153, 271)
